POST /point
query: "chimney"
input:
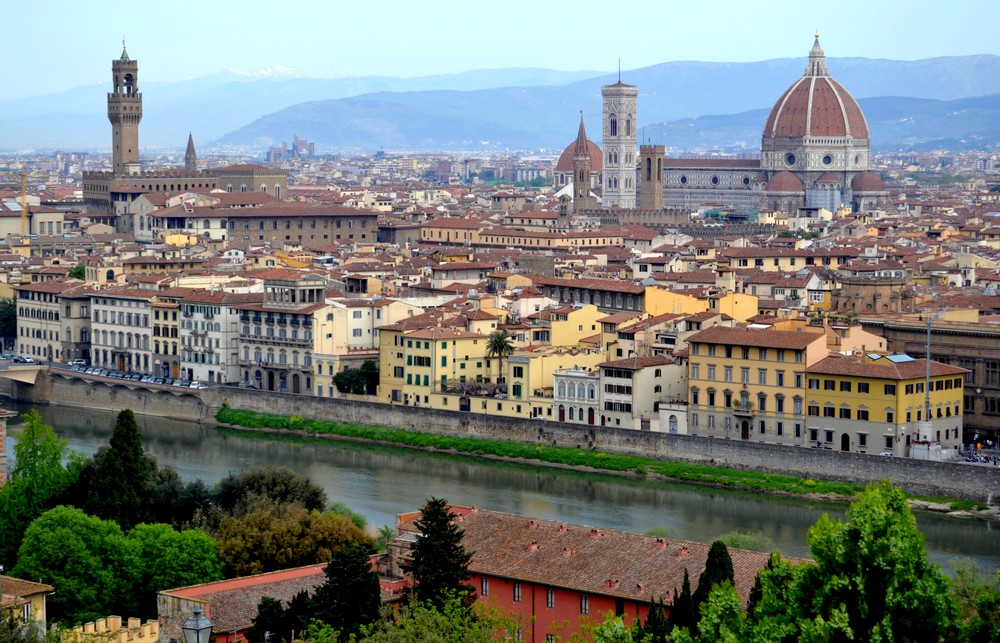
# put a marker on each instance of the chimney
(638, 588)
(533, 524)
(594, 533)
(567, 552)
(562, 529)
(533, 546)
(661, 543)
(682, 552)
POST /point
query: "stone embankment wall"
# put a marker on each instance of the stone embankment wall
(918, 477)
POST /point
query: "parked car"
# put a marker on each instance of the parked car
(78, 362)
(887, 454)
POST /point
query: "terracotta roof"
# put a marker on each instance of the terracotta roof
(636, 363)
(610, 285)
(597, 561)
(565, 162)
(881, 368)
(796, 340)
(816, 106)
(784, 181)
(867, 182)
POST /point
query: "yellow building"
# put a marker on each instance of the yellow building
(874, 403)
(415, 364)
(529, 376)
(658, 301)
(24, 599)
(111, 629)
(750, 384)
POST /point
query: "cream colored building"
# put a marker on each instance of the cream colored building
(44, 330)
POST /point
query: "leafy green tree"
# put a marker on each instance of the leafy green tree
(722, 617)
(871, 580)
(360, 381)
(984, 624)
(385, 535)
(280, 484)
(172, 501)
(14, 629)
(8, 317)
(350, 595)
(88, 560)
(499, 344)
(682, 611)
(79, 271)
(419, 622)
(170, 558)
(268, 537)
(38, 479)
(119, 486)
(718, 569)
(439, 563)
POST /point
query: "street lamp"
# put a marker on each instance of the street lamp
(197, 628)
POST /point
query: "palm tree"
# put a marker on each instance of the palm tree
(499, 344)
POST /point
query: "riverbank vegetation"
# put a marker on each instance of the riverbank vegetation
(132, 528)
(563, 456)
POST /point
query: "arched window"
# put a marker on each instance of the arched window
(206, 224)
(628, 127)
(277, 191)
(649, 169)
(562, 389)
(243, 188)
(571, 392)
(672, 424)
(613, 125)
(229, 188)
(591, 392)
(581, 390)
(572, 413)
(263, 188)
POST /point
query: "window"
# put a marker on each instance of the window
(550, 598)
(863, 387)
(828, 436)
(890, 389)
(814, 409)
(744, 375)
(484, 589)
(863, 414)
(845, 413)
(517, 592)
(354, 333)
(829, 385)
(779, 428)
(711, 372)
(762, 376)
(814, 435)
(814, 383)
(584, 604)
(728, 374)
(845, 386)
(781, 354)
(888, 442)
(829, 411)
(862, 439)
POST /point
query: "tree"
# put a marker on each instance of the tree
(172, 501)
(268, 536)
(119, 487)
(170, 558)
(350, 596)
(718, 569)
(499, 344)
(360, 381)
(871, 580)
(8, 317)
(656, 628)
(439, 563)
(280, 484)
(37, 480)
(88, 560)
(79, 271)
(682, 611)
(419, 622)
(270, 625)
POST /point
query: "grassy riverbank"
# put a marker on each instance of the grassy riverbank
(627, 464)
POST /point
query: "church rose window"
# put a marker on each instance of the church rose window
(790, 159)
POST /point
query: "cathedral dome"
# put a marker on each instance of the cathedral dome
(867, 182)
(565, 163)
(785, 182)
(816, 105)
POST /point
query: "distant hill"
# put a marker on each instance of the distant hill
(521, 108)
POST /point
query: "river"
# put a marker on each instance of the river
(379, 482)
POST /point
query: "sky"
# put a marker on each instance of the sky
(53, 45)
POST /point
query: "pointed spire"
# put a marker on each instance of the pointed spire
(190, 157)
(817, 60)
(582, 149)
(124, 57)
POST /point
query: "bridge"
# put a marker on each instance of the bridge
(24, 373)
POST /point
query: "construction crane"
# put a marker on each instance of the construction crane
(23, 177)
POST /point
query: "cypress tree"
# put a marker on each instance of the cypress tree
(682, 611)
(439, 563)
(655, 629)
(120, 481)
(349, 598)
(718, 569)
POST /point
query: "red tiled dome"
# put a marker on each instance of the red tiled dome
(816, 106)
(785, 182)
(565, 163)
(867, 182)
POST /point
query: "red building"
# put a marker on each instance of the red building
(555, 576)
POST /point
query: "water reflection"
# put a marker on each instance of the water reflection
(380, 482)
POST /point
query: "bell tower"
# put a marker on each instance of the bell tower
(125, 112)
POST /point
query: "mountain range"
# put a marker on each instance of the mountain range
(948, 101)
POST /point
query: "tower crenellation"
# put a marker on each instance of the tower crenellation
(125, 112)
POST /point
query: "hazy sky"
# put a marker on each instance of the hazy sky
(53, 45)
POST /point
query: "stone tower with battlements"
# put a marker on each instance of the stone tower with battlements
(125, 112)
(619, 138)
(651, 177)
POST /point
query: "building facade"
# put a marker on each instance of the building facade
(619, 141)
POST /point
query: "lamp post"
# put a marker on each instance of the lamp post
(197, 628)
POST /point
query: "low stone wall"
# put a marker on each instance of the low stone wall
(981, 484)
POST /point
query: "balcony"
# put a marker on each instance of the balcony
(742, 408)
